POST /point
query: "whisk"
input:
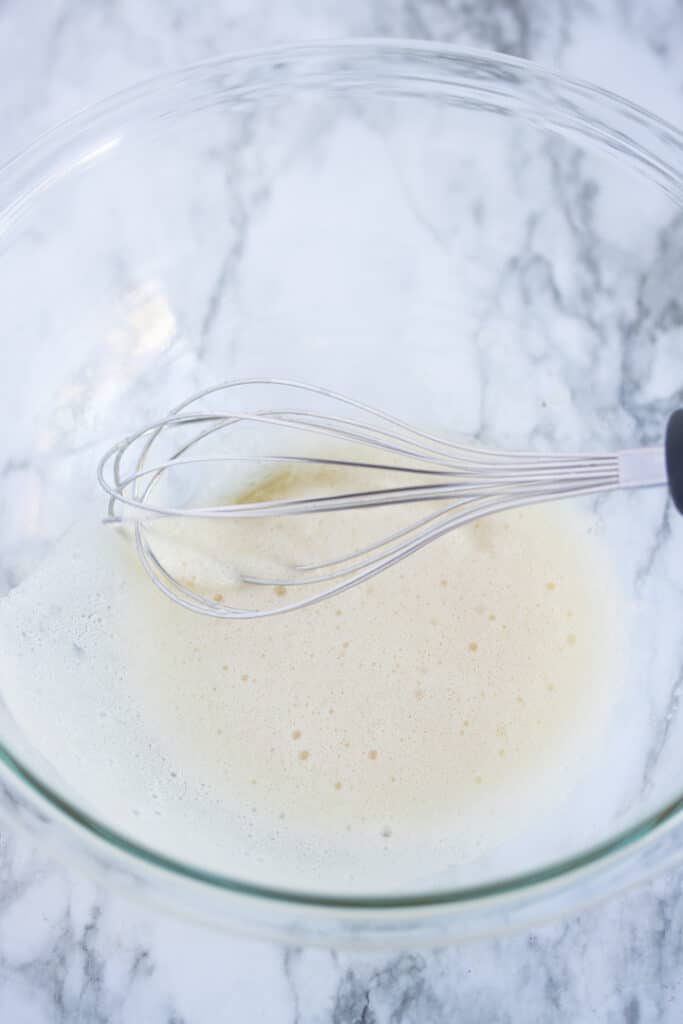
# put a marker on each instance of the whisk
(464, 481)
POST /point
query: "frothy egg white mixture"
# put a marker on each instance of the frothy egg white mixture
(399, 731)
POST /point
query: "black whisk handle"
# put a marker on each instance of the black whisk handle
(673, 450)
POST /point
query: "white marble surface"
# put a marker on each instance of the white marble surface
(70, 952)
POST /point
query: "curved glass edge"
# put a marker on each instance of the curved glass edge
(568, 871)
(509, 84)
(522, 88)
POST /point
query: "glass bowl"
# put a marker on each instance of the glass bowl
(457, 237)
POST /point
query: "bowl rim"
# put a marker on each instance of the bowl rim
(89, 134)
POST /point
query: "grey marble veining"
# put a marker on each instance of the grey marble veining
(70, 952)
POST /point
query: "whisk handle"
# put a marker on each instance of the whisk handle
(673, 450)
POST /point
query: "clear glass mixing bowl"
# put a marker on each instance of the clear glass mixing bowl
(460, 238)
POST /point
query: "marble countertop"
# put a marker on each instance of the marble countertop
(72, 952)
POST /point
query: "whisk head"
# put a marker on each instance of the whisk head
(226, 494)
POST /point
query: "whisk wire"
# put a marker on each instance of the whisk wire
(471, 480)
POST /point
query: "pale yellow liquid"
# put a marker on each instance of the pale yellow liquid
(401, 729)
